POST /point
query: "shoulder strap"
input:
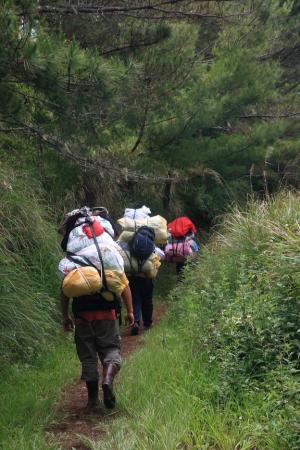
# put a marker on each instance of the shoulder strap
(90, 223)
(130, 260)
(72, 257)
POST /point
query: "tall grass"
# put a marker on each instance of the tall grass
(222, 372)
(27, 397)
(28, 281)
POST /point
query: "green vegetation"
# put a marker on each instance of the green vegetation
(189, 107)
(190, 112)
(187, 114)
(29, 283)
(223, 370)
(27, 398)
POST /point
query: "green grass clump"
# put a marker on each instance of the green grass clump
(29, 254)
(222, 372)
(27, 398)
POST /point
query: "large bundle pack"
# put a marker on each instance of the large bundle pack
(139, 254)
(157, 223)
(81, 236)
(93, 263)
(181, 242)
(139, 237)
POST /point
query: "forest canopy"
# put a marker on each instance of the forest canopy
(192, 105)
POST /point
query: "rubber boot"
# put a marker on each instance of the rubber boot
(93, 395)
(135, 329)
(109, 372)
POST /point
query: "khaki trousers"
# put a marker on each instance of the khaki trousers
(99, 338)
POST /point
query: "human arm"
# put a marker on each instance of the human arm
(68, 323)
(127, 299)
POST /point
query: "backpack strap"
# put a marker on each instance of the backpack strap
(130, 261)
(90, 223)
(140, 263)
(72, 257)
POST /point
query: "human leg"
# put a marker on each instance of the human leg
(179, 270)
(135, 287)
(147, 302)
(108, 346)
(87, 352)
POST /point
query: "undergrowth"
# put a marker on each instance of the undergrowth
(222, 372)
(28, 394)
(29, 284)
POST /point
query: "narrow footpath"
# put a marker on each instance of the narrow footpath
(74, 424)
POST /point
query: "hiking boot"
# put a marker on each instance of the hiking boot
(93, 403)
(135, 329)
(109, 372)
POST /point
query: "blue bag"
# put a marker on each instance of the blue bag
(142, 244)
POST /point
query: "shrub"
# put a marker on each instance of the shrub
(242, 303)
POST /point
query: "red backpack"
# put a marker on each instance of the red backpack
(181, 226)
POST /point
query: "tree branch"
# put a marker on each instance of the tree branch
(270, 116)
(152, 7)
(88, 164)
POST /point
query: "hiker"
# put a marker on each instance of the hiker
(141, 264)
(181, 243)
(96, 334)
(94, 277)
(141, 234)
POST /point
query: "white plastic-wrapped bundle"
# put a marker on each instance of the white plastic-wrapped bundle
(107, 226)
(139, 213)
(79, 239)
(104, 222)
(110, 255)
(158, 223)
(112, 260)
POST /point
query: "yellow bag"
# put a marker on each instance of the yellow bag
(116, 281)
(158, 223)
(82, 281)
(126, 236)
(149, 268)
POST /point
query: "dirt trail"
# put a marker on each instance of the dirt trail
(74, 423)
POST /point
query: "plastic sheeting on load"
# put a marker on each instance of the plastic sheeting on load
(176, 257)
(139, 213)
(116, 279)
(132, 266)
(178, 249)
(124, 244)
(82, 281)
(104, 222)
(158, 223)
(181, 226)
(112, 260)
(78, 239)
